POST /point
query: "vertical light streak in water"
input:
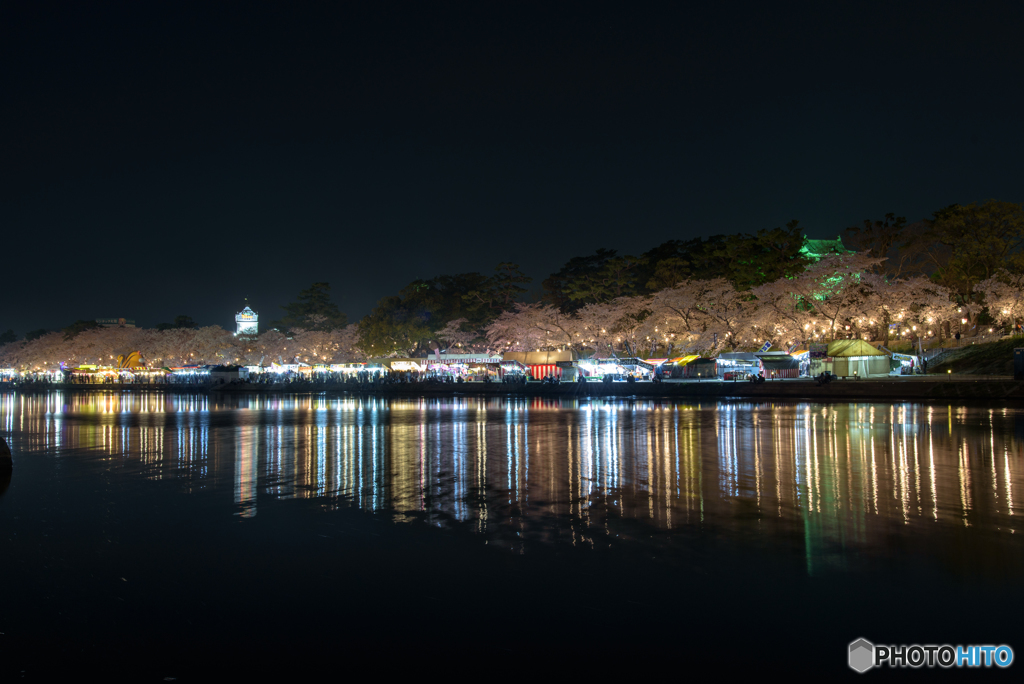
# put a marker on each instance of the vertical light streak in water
(651, 483)
(666, 456)
(588, 448)
(524, 483)
(572, 466)
(965, 480)
(904, 474)
(376, 457)
(803, 461)
(360, 460)
(458, 450)
(1006, 479)
(757, 460)
(931, 466)
(245, 471)
(917, 468)
(725, 429)
(508, 449)
(517, 460)
(874, 477)
(321, 455)
(481, 466)
(334, 483)
(893, 449)
(992, 458)
(423, 461)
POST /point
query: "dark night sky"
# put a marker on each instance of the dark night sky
(163, 159)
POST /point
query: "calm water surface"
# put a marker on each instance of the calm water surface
(921, 500)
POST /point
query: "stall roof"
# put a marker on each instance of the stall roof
(847, 348)
(738, 356)
(779, 362)
(463, 358)
(682, 360)
(630, 361)
(537, 358)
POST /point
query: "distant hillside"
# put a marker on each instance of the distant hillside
(992, 358)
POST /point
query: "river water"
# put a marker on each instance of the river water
(138, 526)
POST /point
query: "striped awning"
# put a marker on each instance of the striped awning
(542, 370)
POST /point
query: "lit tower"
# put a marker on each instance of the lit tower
(247, 322)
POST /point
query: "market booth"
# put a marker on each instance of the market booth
(673, 368)
(857, 358)
(541, 364)
(701, 369)
(738, 365)
(513, 370)
(778, 365)
(404, 365)
(466, 366)
(905, 364)
(638, 368)
(601, 368)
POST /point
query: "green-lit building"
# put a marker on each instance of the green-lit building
(818, 249)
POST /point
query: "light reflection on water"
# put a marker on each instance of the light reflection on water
(845, 479)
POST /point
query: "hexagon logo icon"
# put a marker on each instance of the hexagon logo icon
(862, 655)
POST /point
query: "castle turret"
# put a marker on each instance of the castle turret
(247, 322)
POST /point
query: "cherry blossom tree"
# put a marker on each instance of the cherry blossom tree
(453, 337)
(536, 326)
(1004, 296)
(889, 301)
(830, 289)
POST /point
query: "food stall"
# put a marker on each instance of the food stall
(908, 364)
(701, 369)
(738, 365)
(540, 364)
(778, 365)
(638, 368)
(599, 369)
(512, 370)
(673, 368)
(803, 357)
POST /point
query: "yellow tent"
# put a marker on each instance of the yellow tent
(857, 358)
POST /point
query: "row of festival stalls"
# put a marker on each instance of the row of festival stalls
(446, 367)
(468, 367)
(129, 369)
(848, 359)
(284, 372)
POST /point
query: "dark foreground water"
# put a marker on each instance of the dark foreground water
(196, 537)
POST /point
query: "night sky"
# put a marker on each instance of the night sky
(162, 159)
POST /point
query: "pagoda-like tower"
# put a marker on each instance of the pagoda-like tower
(247, 322)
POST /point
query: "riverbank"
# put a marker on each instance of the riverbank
(911, 388)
